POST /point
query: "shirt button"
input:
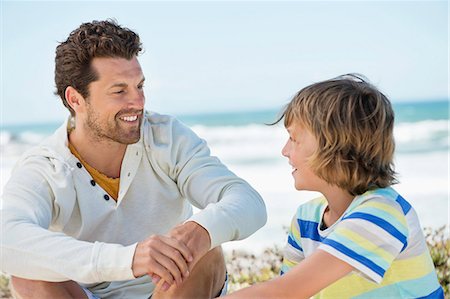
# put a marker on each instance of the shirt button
(79, 165)
(106, 197)
(92, 182)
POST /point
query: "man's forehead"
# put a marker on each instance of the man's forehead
(117, 68)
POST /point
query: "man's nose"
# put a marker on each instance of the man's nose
(137, 100)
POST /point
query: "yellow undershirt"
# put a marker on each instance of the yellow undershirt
(110, 185)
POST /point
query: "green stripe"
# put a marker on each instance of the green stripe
(419, 287)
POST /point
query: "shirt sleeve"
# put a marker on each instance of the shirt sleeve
(230, 208)
(369, 237)
(293, 252)
(29, 247)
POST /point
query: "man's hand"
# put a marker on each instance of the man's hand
(197, 240)
(195, 237)
(164, 257)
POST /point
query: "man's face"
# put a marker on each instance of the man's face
(114, 108)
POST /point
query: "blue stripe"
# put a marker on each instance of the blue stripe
(355, 256)
(404, 246)
(437, 294)
(404, 204)
(294, 244)
(379, 222)
(308, 230)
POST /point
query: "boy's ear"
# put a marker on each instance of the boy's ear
(75, 100)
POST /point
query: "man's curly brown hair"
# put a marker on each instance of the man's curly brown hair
(353, 123)
(96, 39)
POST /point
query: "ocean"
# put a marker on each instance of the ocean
(252, 150)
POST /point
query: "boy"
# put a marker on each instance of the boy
(361, 239)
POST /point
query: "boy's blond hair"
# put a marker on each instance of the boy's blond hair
(353, 124)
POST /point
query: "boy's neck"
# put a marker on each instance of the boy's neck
(338, 202)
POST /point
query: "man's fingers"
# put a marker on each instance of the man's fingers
(169, 264)
(159, 270)
(177, 256)
(180, 246)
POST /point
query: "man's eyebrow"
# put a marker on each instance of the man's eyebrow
(123, 84)
(119, 85)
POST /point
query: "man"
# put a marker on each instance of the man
(103, 208)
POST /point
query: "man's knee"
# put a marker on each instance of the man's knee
(25, 288)
(205, 280)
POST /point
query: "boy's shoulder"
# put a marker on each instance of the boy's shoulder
(381, 199)
(312, 209)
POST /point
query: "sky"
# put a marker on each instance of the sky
(212, 56)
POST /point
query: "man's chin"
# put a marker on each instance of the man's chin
(129, 140)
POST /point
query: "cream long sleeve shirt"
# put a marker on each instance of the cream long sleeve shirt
(57, 226)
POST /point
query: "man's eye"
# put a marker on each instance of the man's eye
(140, 86)
(119, 92)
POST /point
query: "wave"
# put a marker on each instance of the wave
(422, 136)
(256, 143)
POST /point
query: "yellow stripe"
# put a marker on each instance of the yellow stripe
(347, 287)
(400, 270)
(387, 208)
(408, 269)
(289, 263)
(295, 230)
(296, 233)
(366, 244)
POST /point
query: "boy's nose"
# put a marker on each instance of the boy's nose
(284, 150)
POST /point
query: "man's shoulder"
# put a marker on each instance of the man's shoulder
(163, 130)
(154, 118)
(51, 153)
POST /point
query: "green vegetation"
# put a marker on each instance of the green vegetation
(245, 269)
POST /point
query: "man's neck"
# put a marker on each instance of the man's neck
(104, 155)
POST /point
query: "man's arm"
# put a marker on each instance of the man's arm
(305, 280)
(230, 208)
(31, 251)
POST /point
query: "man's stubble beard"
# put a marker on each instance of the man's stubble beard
(112, 130)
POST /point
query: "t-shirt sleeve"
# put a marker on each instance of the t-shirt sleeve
(369, 237)
(293, 251)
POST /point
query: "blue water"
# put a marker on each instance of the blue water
(404, 112)
(419, 126)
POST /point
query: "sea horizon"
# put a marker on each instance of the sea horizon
(264, 115)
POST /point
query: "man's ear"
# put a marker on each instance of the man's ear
(75, 100)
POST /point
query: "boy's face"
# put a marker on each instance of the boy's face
(116, 100)
(299, 147)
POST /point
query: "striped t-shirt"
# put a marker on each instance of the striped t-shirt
(379, 235)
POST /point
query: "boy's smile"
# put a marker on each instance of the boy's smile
(300, 146)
